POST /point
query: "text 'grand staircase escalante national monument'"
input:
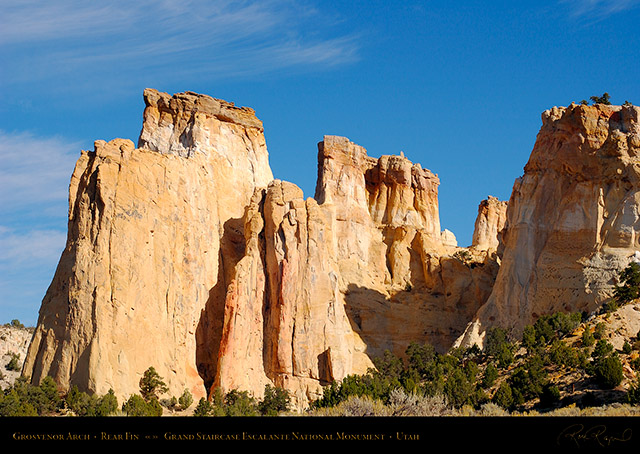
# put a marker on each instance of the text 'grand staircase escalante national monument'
(185, 253)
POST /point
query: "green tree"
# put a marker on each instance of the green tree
(185, 400)
(275, 400)
(633, 394)
(107, 404)
(630, 280)
(138, 406)
(14, 362)
(240, 403)
(608, 372)
(151, 385)
(15, 323)
(503, 396)
(490, 376)
(204, 408)
(587, 337)
(458, 389)
(550, 395)
(604, 99)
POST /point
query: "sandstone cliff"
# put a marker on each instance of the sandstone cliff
(151, 233)
(330, 282)
(572, 219)
(186, 255)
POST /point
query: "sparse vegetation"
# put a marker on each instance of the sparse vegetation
(557, 354)
(563, 364)
(630, 284)
(604, 99)
(14, 362)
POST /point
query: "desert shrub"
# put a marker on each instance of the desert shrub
(626, 348)
(587, 337)
(503, 396)
(490, 376)
(630, 280)
(14, 362)
(604, 99)
(107, 404)
(412, 404)
(599, 330)
(633, 394)
(136, 405)
(492, 409)
(563, 355)
(240, 403)
(185, 400)
(608, 371)
(362, 406)
(275, 400)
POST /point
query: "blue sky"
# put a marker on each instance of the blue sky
(457, 86)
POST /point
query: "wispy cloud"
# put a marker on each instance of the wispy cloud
(598, 9)
(20, 248)
(34, 173)
(192, 36)
(34, 181)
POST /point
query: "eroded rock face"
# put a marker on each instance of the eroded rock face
(572, 221)
(329, 283)
(492, 215)
(186, 255)
(152, 232)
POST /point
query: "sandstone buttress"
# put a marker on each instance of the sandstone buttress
(573, 219)
(185, 254)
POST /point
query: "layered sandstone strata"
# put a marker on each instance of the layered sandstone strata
(572, 221)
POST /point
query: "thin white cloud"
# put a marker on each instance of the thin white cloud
(34, 182)
(72, 37)
(599, 9)
(34, 172)
(30, 248)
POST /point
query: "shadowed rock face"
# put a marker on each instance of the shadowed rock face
(186, 255)
(572, 220)
(327, 284)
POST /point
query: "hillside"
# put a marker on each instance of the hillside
(14, 340)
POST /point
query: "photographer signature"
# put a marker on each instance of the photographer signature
(578, 433)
